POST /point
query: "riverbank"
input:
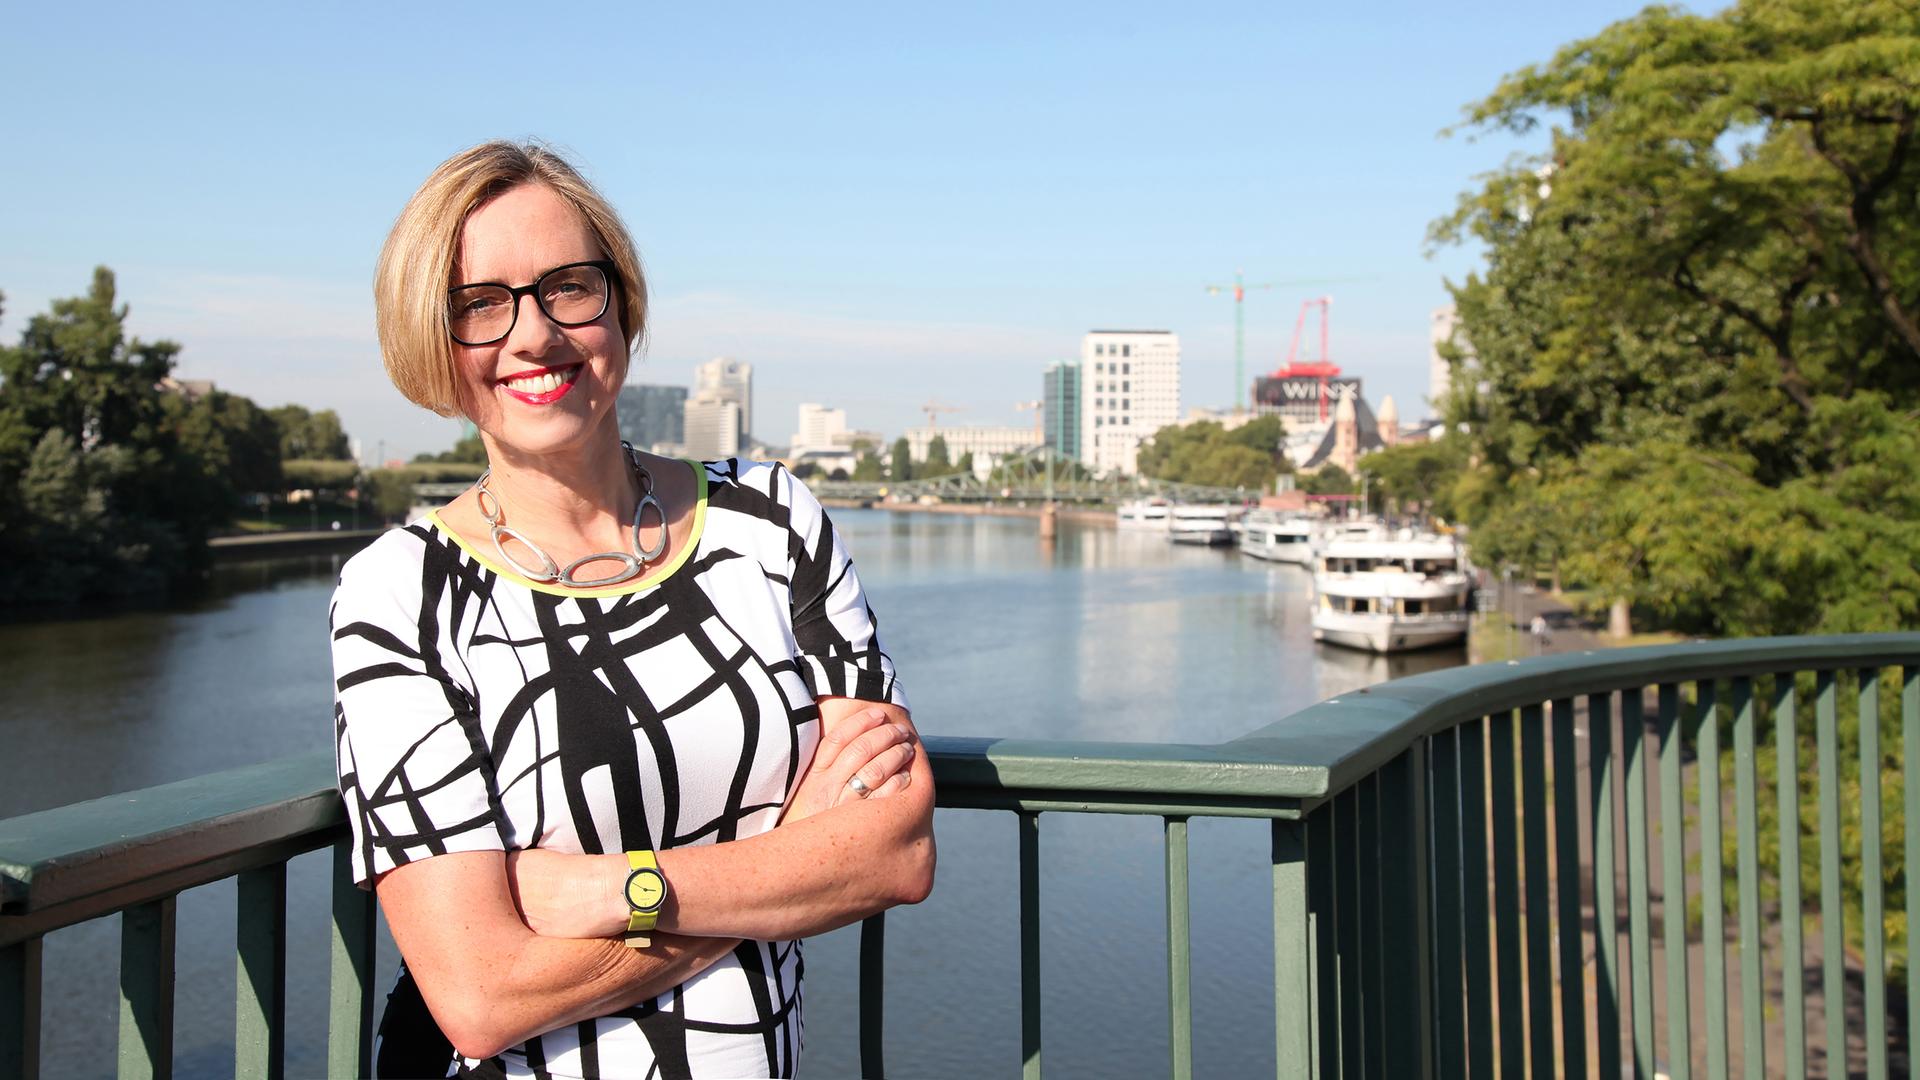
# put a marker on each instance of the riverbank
(276, 544)
(1077, 515)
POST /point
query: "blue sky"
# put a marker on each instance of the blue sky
(874, 204)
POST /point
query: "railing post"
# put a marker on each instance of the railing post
(873, 973)
(1539, 906)
(1348, 952)
(260, 997)
(1566, 849)
(1673, 888)
(1793, 1001)
(1029, 825)
(1474, 842)
(1833, 938)
(1179, 962)
(1510, 978)
(1323, 918)
(1408, 1031)
(350, 993)
(1713, 929)
(1293, 1012)
(1747, 814)
(1448, 935)
(1910, 788)
(1872, 918)
(146, 991)
(1603, 769)
(1633, 743)
(20, 1009)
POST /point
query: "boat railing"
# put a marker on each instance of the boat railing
(1447, 852)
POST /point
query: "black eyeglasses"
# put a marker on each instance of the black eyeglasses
(571, 295)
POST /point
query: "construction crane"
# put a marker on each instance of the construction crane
(933, 409)
(1322, 369)
(1239, 289)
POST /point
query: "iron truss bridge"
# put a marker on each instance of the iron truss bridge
(1026, 477)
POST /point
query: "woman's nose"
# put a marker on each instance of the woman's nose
(533, 333)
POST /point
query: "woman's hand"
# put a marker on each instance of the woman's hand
(867, 744)
(569, 896)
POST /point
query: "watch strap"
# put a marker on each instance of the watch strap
(640, 920)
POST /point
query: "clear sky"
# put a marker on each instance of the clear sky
(875, 205)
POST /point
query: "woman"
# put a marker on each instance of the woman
(614, 730)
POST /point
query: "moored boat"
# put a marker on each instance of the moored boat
(1266, 534)
(1391, 594)
(1203, 525)
(1143, 515)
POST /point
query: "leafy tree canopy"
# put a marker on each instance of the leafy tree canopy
(1697, 303)
(1205, 452)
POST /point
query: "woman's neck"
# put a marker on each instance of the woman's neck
(580, 493)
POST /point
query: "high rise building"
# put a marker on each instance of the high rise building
(1439, 371)
(653, 416)
(726, 379)
(820, 428)
(1129, 389)
(1061, 404)
(713, 428)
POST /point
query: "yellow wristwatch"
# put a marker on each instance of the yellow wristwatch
(646, 893)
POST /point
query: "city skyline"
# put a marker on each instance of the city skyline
(874, 208)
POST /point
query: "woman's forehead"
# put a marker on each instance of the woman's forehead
(521, 233)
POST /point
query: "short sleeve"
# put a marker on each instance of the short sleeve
(835, 627)
(413, 763)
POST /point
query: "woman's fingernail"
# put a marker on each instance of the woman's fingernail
(902, 729)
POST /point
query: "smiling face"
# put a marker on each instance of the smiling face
(544, 388)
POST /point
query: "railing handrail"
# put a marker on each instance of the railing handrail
(112, 852)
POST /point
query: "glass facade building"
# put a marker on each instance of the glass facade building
(1061, 402)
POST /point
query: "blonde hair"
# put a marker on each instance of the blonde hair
(416, 264)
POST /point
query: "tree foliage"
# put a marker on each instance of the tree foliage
(1419, 475)
(311, 436)
(937, 463)
(1204, 452)
(900, 464)
(112, 476)
(1691, 364)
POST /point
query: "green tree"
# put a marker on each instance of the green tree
(468, 451)
(937, 463)
(867, 468)
(1418, 474)
(311, 436)
(1206, 453)
(234, 443)
(1329, 480)
(965, 464)
(1688, 297)
(900, 467)
(82, 422)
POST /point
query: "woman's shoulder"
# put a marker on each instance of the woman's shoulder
(391, 565)
(766, 490)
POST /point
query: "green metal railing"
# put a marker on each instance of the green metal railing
(1456, 859)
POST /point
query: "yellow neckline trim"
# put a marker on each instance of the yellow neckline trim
(673, 565)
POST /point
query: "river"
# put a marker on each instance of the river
(1098, 635)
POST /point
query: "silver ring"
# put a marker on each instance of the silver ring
(859, 787)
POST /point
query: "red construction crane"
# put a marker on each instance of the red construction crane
(1322, 369)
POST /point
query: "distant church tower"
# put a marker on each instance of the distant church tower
(1346, 435)
(1388, 419)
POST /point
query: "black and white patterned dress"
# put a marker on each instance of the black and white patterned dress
(476, 710)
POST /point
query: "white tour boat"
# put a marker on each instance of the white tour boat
(1390, 594)
(1269, 534)
(1144, 515)
(1204, 525)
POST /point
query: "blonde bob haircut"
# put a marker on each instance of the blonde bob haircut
(416, 264)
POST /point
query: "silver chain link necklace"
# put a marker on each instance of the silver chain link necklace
(631, 564)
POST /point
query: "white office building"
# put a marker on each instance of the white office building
(726, 379)
(820, 428)
(983, 442)
(1129, 389)
(713, 428)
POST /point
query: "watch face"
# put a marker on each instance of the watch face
(646, 889)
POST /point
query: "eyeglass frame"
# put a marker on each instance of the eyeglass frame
(607, 267)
